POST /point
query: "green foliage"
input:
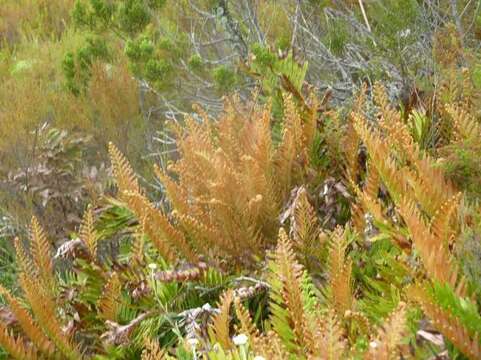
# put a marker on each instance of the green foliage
(76, 66)
(225, 78)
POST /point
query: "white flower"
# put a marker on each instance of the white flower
(240, 339)
(258, 357)
(152, 266)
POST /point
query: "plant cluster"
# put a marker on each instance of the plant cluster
(278, 217)
(285, 288)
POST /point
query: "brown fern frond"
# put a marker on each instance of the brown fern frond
(123, 173)
(387, 343)
(465, 124)
(176, 193)
(330, 337)
(441, 223)
(351, 140)
(44, 309)
(351, 143)
(381, 99)
(379, 154)
(434, 253)
(23, 259)
(288, 156)
(373, 181)
(31, 329)
(430, 186)
(16, 346)
(161, 232)
(447, 324)
(290, 272)
(270, 346)
(358, 219)
(367, 200)
(153, 351)
(208, 238)
(304, 223)
(340, 273)
(87, 232)
(41, 254)
(246, 325)
(220, 326)
(138, 253)
(109, 302)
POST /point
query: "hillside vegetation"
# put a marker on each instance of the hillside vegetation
(240, 180)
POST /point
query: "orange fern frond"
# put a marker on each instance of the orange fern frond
(220, 327)
(340, 273)
(389, 339)
(153, 351)
(138, 253)
(270, 346)
(177, 194)
(44, 309)
(379, 154)
(87, 232)
(109, 302)
(330, 337)
(305, 227)
(430, 186)
(31, 329)
(291, 274)
(448, 325)
(208, 238)
(23, 259)
(441, 223)
(433, 252)
(161, 232)
(247, 326)
(123, 173)
(465, 125)
(41, 254)
(16, 346)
